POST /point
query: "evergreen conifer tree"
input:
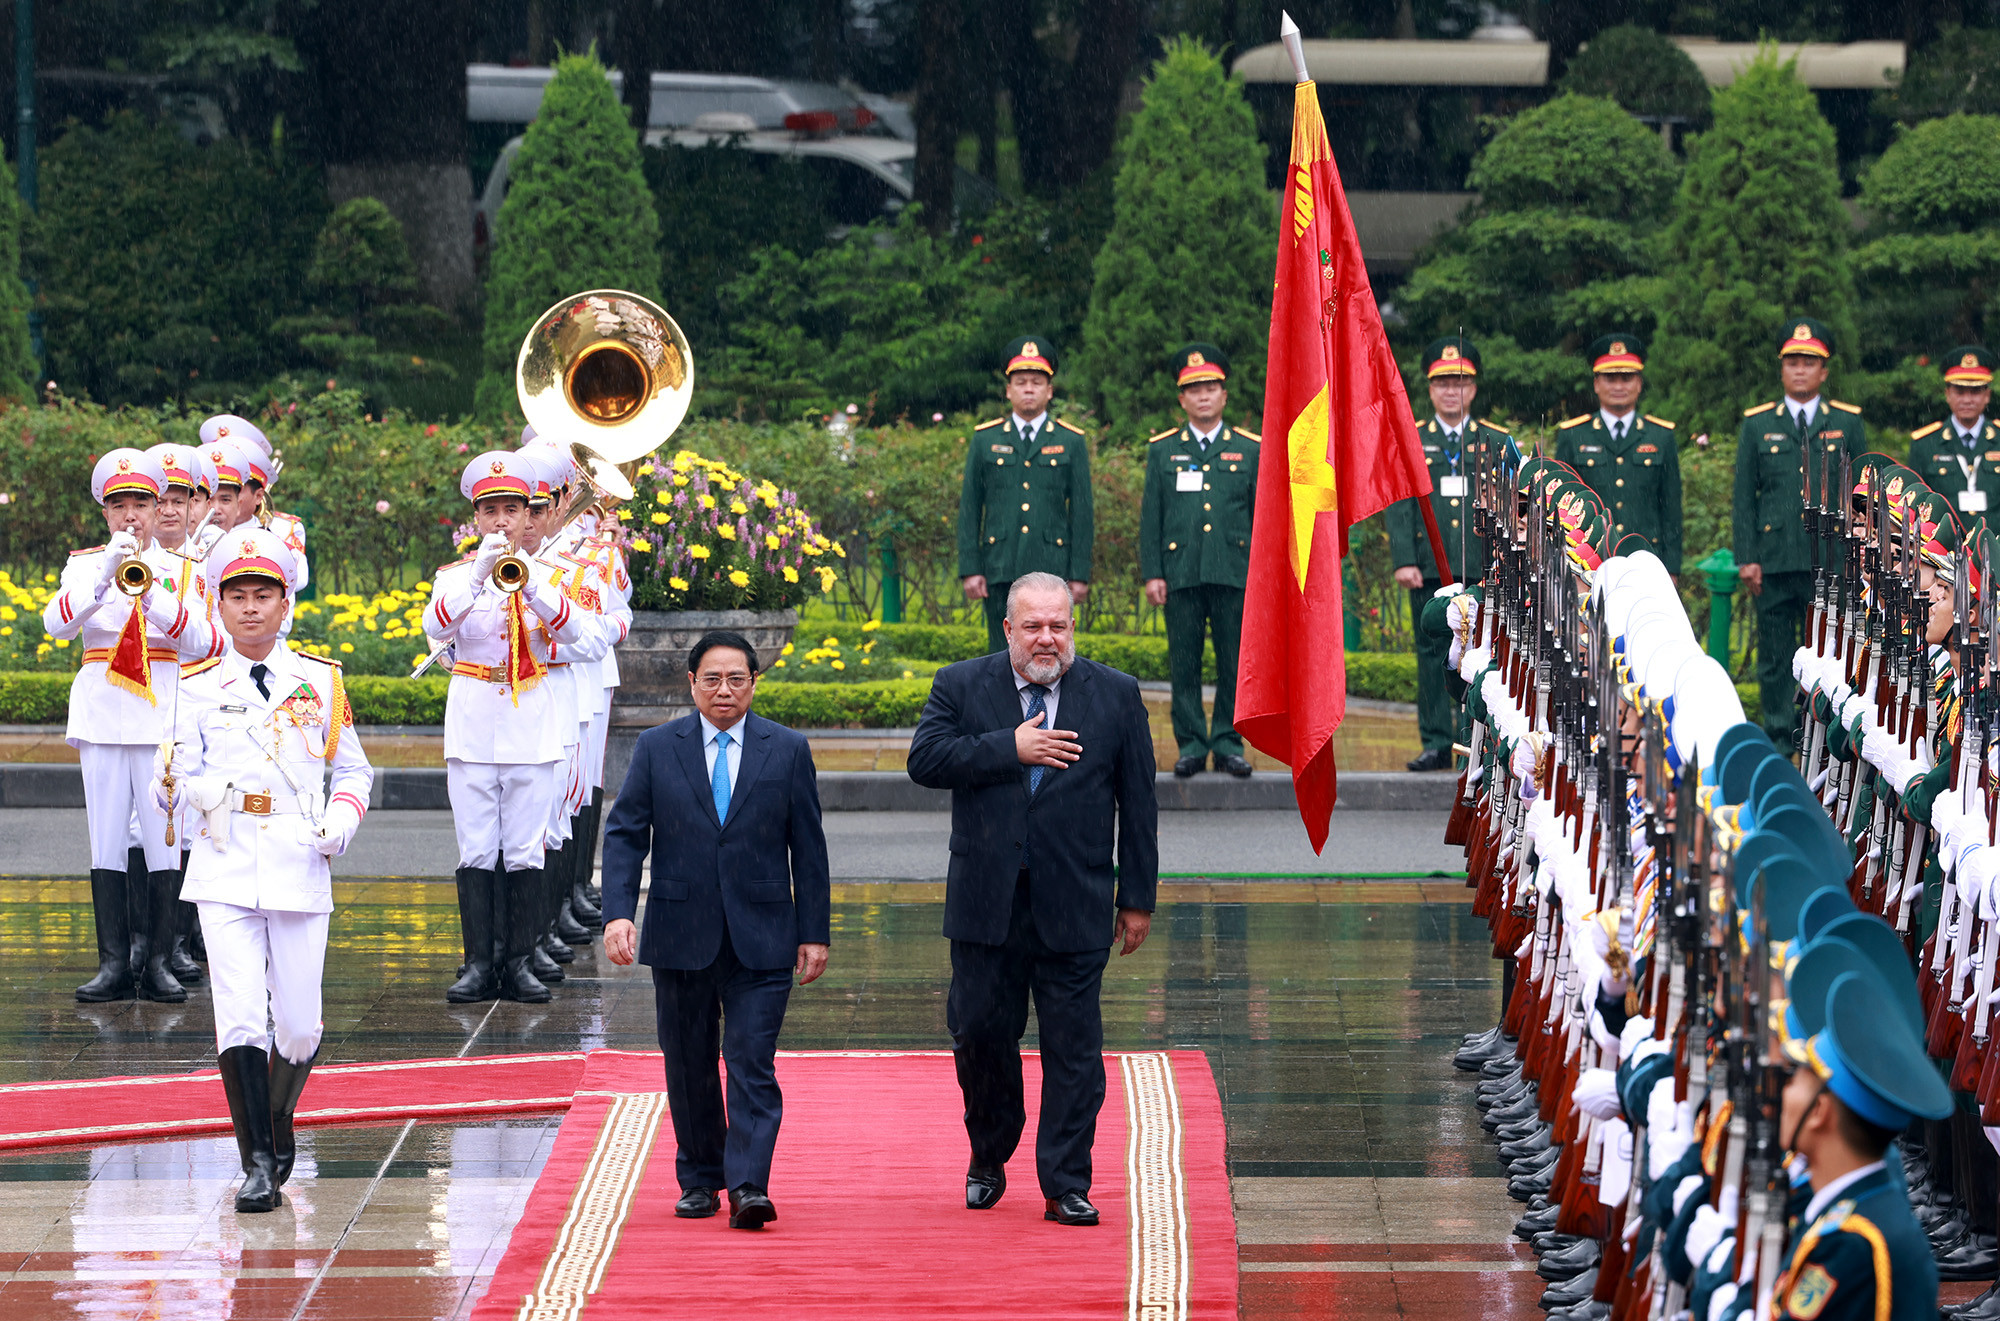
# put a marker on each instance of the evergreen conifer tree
(578, 216)
(1759, 237)
(1191, 247)
(17, 363)
(1930, 272)
(1556, 252)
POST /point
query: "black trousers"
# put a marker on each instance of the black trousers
(987, 1012)
(734, 1012)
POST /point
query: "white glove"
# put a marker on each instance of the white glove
(161, 799)
(1882, 751)
(1600, 1031)
(1803, 666)
(490, 550)
(1596, 1093)
(204, 541)
(180, 754)
(1684, 1190)
(1722, 1300)
(1637, 1029)
(337, 829)
(1706, 1231)
(1853, 708)
(121, 547)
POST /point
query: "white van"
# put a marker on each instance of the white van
(501, 94)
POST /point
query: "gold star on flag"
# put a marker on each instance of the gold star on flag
(1313, 491)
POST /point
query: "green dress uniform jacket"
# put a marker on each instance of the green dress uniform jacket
(1022, 512)
(1194, 519)
(1941, 459)
(1863, 1258)
(1408, 543)
(1637, 477)
(1769, 529)
(1194, 531)
(1768, 517)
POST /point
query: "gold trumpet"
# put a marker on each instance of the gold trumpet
(609, 375)
(133, 576)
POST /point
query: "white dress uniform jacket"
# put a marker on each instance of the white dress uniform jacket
(177, 631)
(485, 719)
(232, 742)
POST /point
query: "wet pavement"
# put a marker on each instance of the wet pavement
(1363, 1184)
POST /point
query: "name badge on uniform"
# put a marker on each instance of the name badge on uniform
(1972, 502)
(234, 710)
(1451, 486)
(1185, 480)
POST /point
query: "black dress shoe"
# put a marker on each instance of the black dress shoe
(750, 1208)
(1431, 759)
(1571, 1261)
(1552, 1241)
(1188, 766)
(1986, 1307)
(1570, 1292)
(1070, 1209)
(1587, 1310)
(698, 1204)
(1514, 1154)
(983, 1186)
(1236, 766)
(1538, 1221)
(1974, 1259)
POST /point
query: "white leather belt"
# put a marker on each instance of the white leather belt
(264, 804)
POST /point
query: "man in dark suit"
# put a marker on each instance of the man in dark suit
(727, 804)
(1047, 757)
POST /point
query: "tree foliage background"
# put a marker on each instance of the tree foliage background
(1191, 247)
(578, 215)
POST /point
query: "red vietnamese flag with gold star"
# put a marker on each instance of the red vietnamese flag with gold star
(1341, 445)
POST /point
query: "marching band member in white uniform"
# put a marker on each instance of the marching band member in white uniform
(258, 733)
(503, 742)
(120, 706)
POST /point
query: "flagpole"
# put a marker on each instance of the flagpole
(1288, 32)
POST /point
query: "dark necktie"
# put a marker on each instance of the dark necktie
(1799, 417)
(1038, 705)
(1027, 436)
(1969, 439)
(260, 672)
(1618, 431)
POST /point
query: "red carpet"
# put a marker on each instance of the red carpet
(102, 1110)
(869, 1184)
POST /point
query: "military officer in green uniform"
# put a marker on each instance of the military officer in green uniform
(1194, 553)
(1960, 455)
(1777, 440)
(1630, 459)
(1456, 447)
(1025, 506)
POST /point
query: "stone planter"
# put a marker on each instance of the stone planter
(652, 670)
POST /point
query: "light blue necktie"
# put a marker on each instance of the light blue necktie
(718, 782)
(1037, 706)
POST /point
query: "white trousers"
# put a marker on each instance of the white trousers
(595, 733)
(115, 780)
(501, 808)
(266, 966)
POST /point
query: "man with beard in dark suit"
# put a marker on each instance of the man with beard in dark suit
(1050, 762)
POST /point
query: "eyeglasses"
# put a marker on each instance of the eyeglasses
(735, 683)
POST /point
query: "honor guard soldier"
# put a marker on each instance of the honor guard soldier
(126, 600)
(1456, 447)
(1629, 458)
(1960, 455)
(1194, 553)
(259, 480)
(1025, 505)
(502, 740)
(1858, 1251)
(1779, 444)
(265, 752)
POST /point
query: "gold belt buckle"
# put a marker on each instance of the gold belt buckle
(257, 804)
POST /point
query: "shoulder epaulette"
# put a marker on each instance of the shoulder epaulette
(312, 656)
(1495, 426)
(183, 555)
(87, 550)
(1845, 408)
(193, 668)
(454, 564)
(1248, 435)
(1659, 421)
(1574, 422)
(1919, 435)
(1170, 431)
(1068, 425)
(1761, 408)
(996, 422)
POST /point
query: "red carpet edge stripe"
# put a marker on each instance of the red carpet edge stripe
(57, 1114)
